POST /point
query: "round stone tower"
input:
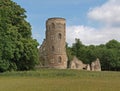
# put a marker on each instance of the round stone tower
(56, 43)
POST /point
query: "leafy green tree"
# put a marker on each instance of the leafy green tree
(109, 55)
(113, 44)
(76, 47)
(18, 50)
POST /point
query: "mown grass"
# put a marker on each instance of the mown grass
(59, 80)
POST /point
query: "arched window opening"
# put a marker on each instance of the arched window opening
(53, 25)
(59, 36)
(53, 49)
(59, 59)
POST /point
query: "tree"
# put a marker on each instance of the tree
(113, 44)
(109, 55)
(76, 47)
(18, 50)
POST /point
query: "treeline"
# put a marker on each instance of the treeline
(109, 54)
(18, 50)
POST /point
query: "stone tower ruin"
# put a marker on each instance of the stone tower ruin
(53, 49)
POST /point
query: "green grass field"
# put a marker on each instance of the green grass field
(59, 80)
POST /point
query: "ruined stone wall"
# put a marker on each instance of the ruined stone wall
(95, 65)
(77, 64)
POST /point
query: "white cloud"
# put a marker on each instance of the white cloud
(90, 35)
(108, 13)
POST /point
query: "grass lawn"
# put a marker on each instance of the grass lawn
(59, 80)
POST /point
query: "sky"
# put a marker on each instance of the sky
(94, 22)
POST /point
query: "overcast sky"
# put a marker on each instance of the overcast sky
(92, 21)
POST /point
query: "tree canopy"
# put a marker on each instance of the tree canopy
(18, 50)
